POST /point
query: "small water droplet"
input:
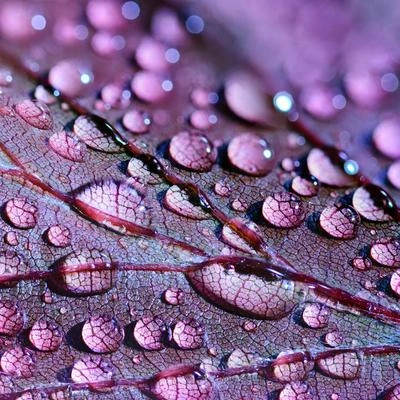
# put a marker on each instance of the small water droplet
(173, 296)
(11, 318)
(46, 335)
(149, 333)
(340, 222)
(18, 361)
(333, 339)
(386, 137)
(188, 334)
(58, 236)
(386, 252)
(136, 121)
(345, 365)
(102, 334)
(283, 210)
(35, 113)
(251, 154)
(316, 315)
(20, 213)
(307, 187)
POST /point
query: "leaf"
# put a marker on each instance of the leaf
(207, 256)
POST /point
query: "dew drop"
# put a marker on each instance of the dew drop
(328, 166)
(46, 335)
(386, 252)
(393, 393)
(340, 222)
(91, 370)
(293, 371)
(333, 339)
(193, 151)
(102, 334)
(295, 391)
(147, 86)
(20, 213)
(229, 236)
(12, 267)
(18, 361)
(345, 365)
(188, 334)
(361, 263)
(316, 315)
(11, 318)
(251, 154)
(136, 121)
(66, 77)
(58, 236)
(307, 187)
(386, 137)
(393, 174)
(11, 238)
(35, 113)
(179, 201)
(374, 204)
(149, 333)
(222, 188)
(283, 210)
(67, 146)
(44, 96)
(173, 296)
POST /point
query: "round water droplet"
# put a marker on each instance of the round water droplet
(316, 315)
(18, 361)
(296, 391)
(173, 296)
(328, 166)
(58, 236)
(222, 188)
(386, 252)
(333, 339)
(393, 393)
(179, 201)
(344, 365)
(43, 95)
(20, 213)
(340, 222)
(386, 137)
(361, 263)
(395, 282)
(193, 151)
(250, 154)
(149, 333)
(67, 146)
(374, 203)
(11, 238)
(188, 334)
(283, 210)
(115, 96)
(11, 318)
(147, 86)
(150, 55)
(46, 335)
(136, 121)
(35, 113)
(393, 174)
(66, 77)
(12, 266)
(241, 358)
(307, 187)
(91, 370)
(285, 371)
(102, 334)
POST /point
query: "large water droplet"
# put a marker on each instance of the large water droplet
(46, 335)
(283, 210)
(149, 333)
(193, 151)
(58, 236)
(12, 265)
(316, 315)
(102, 334)
(136, 121)
(18, 361)
(340, 222)
(179, 201)
(11, 318)
(345, 365)
(386, 137)
(296, 391)
(306, 187)
(188, 334)
(66, 77)
(20, 213)
(35, 113)
(374, 203)
(386, 252)
(250, 154)
(68, 146)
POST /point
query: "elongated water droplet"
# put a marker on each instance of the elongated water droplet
(35, 113)
(316, 315)
(188, 334)
(20, 213)
(67, 146)
(12, 265)
(340, 222)
(344, 365)
(11, 318)
(58, 236)
(386, 252)
(46, 335)
(149, 333)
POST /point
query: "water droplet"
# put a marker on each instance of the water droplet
(283, 210)
(136, 121)
(102, 334)
(35, 113)
(11, 318)
(180, 202)
(44, 96)
(65, 76)
(316, 315)
(18, 361)
(386, 137)
(97, 133)
(58, 236)
(374, 204)
(150, 55)
(307, 187)
(229, 236)
(115, 96)
(393, 393)
(147, 86)
(293, 371)
(340, 222)
(149, 333)
(20, 213)
(222, 188)
(393, 174)
(333, 339)
(345, 365)
(296, 391)
(386, 252)
(328, 166)
(46, 335)
(249, 326)
(12, 265)
(188, 334)
(67, 146)
(250, 154)
(11, 238)
(84, 272)
(361, 263)
(91, 370)
(193, 151)
(173, 296)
